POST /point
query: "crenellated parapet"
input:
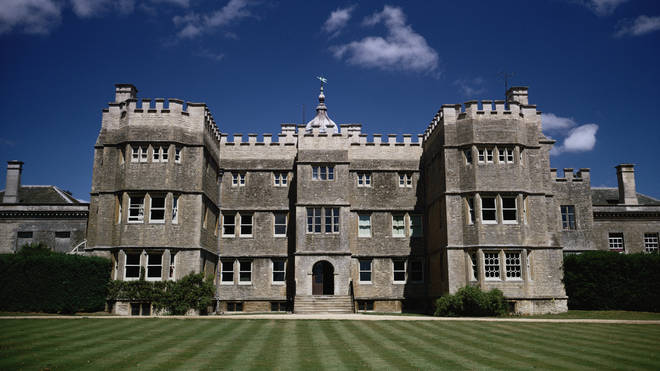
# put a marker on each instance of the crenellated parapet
(516, 107)
(569, 175)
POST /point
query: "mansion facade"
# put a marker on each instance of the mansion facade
(325, 218)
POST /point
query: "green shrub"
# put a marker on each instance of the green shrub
(470, 301)
(176, 297)
(38, 280)
(603, 280)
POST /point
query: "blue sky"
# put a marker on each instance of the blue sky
(591, 66)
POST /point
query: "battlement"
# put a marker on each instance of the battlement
(485, 110)
(582, 175)
(160, 108)
(290, 133)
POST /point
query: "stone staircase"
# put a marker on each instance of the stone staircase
(323, 304)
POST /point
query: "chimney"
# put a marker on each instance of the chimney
(625, 174)
(125, 91)
(14, 169)
(517, 94)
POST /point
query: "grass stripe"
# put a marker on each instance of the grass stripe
(349, 357)
(56, 341)
(270, 348)
(366, 353)
(306, 350)
(386, 348)
(254, 340)
(427, 343)
(288, 356)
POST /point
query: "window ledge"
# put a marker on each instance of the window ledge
(279, 235)
(135, 222)
(245, 283)
(489, 222)
(509, 222)
(278, 283)
(157, 222)
(493, 279)
(227, 283)
(399, 282)
(229, 236)
(246, 236)
(365, 282)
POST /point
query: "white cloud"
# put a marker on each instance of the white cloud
(471, 87)
(95, 8)
(205, 53)
(401, 49)
(637, 27)
(579, 139)
(29, 16)
(193, 24)
(552, 122)
(576, 138)
(338, 20)
(603, 7)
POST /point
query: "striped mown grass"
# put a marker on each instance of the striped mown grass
(317, 344)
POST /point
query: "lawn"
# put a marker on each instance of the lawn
(312, 344)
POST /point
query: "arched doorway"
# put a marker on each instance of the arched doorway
(323, 278)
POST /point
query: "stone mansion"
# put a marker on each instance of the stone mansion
(323, 217)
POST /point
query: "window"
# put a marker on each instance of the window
(651, 242)
(365, 305)
(246, 225)
(245, 272)
(365, 270)
(279, 271)
(415, 225)
(278, 306)
(172, 265)
(177, 154)
(470, 208)
(132, 267)
(416, 271)
(513, 266)
(280, 224)
(489, 155)
(157, 209)
(399, 269)
(323, 172)
(175, 209)
(24, 234)
(280, 179)
(237, 179)
(332, 220)
(364, 225)
(227, 272)
(568, 216)
(205, 216)
(488, 210)
(509, 210)
(398, 225)
(616, 242)
(475, 266)
(313, 220)
(467, 155)
(505, 155)
(482, 155)
(64, 234)
(154, 266)
(492, 265)
(136, 209)
(405, 180)
(228, 225)
(136, 153)
(234, 306)
(160, 154)
(364, 179)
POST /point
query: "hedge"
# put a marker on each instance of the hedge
(603, 280)
(176, 297)
(470, 301)
(38, 280)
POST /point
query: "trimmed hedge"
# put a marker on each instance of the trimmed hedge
(177, 297)
(38, 280)
(603, 280)
(470, 301)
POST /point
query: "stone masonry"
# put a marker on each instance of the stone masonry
(323, 217)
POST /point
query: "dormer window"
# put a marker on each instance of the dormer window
(364, 179)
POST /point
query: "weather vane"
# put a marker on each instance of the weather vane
(322, 79)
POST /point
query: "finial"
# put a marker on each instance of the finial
(321, 95)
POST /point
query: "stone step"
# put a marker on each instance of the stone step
(323, 304)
